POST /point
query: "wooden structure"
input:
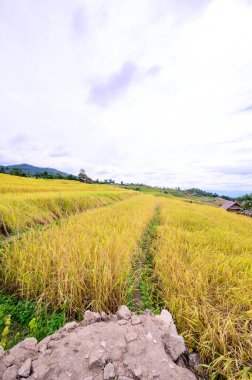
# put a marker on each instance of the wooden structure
(232, 206)
(85, 180)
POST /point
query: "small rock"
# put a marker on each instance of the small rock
(21, 351)
(149, 336)
(123, 313)
(194, 360)
(135, 319)
(103, 343)
(52, 344)
(122, 322)
(28, 344)
(136, 371)
(1, 351)
(148, 312)
(96, 358)
(130, 337)
(41, 372)
(166, 318)
(116, 354)
(8, 360)
(10, 373)
(122, 343)
(56, 336)
(43, 348)
(109, 371)
(91, 317)
(47, 352)
(104, 316)
(174, 345)
(25, 369)
(70, 326)
(45, 341)
(88, 378)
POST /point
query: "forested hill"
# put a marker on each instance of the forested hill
(31, 170)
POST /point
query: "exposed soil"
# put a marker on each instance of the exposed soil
(124, 346)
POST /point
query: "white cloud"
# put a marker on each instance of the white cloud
(177, 120)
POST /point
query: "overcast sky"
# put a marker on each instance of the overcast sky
(154, 91)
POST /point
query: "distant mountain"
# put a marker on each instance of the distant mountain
(31, 170)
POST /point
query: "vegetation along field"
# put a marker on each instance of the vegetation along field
(76, 246)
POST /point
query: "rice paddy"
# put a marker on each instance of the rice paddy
(201, 260)
(13, 184)
(84, 260)
(29, 202)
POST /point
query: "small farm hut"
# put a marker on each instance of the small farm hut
(232, 206)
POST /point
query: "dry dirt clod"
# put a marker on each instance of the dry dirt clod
(123, 313)
(104, 316)
(43, 348)
(56, 336)
(174, 345)
(130, 337)
(91, 317)
(122, 322)
(148, 312)
(1, 351)
(28, 343)
(25, 369)
(109, 371)
(96, 358)
(103, 343)
(149, 336)
(136, 371)
(135, 319)
(10, 373)
(70, 326)
(45, 341)
(166, 318)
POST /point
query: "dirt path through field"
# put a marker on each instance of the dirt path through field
(145, 292)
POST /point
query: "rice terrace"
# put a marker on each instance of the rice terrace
(126, 190)
(68, 246)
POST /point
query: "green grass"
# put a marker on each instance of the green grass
(159, 192)
(20, 319)
(142, 272)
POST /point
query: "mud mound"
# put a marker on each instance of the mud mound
(123, 346)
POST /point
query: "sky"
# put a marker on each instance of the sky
(147, 91)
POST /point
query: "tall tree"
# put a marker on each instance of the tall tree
(83, 176)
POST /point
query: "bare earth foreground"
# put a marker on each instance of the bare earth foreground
(123, 346)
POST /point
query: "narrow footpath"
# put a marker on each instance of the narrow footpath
(144, 292)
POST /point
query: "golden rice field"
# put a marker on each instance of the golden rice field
(42, 201)
(203, 259)
(14, 184)
(86, 259)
